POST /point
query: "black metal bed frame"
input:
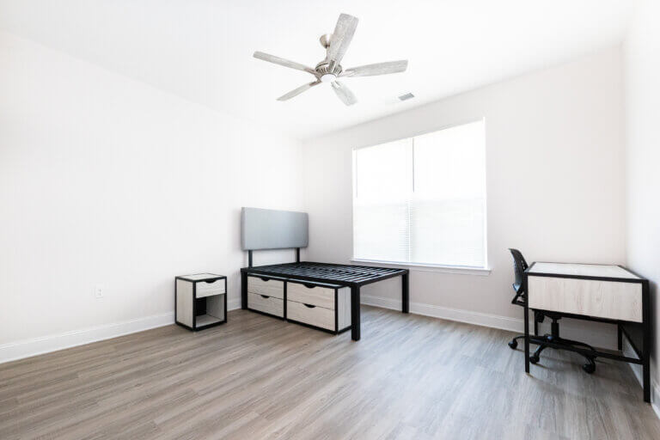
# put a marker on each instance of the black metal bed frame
(638, 334)
(352, 276)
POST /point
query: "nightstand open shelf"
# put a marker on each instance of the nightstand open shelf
(204, 320)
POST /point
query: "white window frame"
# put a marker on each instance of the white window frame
(428, 267)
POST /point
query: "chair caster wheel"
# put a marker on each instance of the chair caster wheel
(589, 367)
(534, 358)
(513, 344)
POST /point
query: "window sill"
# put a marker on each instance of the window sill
(479, 271)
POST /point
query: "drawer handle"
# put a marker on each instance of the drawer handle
(309, 286)
(264, 279)
(264, 296)
(309, 306)
(210, 282)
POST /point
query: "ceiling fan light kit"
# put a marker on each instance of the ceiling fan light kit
(328, 70)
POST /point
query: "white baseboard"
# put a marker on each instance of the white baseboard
(47, 344)
(233, 304)
(489, 320)
(637, 372)
(32, 347)
(476, 318)
(502, 323)
(655, 388)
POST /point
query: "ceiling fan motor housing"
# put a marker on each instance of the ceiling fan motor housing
(323, 68)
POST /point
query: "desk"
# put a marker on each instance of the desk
(603, 293)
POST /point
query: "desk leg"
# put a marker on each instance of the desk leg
(243, 290)
(526, 338)
(355, 313)
(647, 376)
(646, 349)
(405, 293)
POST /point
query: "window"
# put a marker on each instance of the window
(422, 200)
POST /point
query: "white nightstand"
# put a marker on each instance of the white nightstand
(200, 300)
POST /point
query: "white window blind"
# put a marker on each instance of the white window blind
(422, 200)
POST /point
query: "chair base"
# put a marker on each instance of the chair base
(588, 367)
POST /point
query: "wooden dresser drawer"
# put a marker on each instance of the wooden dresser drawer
(311, 294)
(265, 286)
(310, 314)
(266, 304)
(204, 289)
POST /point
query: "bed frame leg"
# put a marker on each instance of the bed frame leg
(405, 293)
(646, 344)
(355, 313)
(243, 290)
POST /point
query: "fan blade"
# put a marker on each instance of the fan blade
(298, 91)
(377, 69)
(344, 93)
(283, 62)
(341, 39)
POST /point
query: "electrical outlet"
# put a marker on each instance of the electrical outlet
(98, 291)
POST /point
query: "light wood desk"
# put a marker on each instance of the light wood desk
(604, 293)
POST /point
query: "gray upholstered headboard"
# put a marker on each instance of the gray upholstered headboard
(273, 229)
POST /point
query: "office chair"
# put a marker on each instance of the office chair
(519, 267)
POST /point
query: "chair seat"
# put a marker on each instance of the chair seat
(539, 315)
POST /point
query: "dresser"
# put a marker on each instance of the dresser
(322, 306)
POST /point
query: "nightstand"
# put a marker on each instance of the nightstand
(200, 300)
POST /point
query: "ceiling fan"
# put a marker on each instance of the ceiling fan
(328, 70)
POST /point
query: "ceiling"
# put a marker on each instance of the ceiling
(202, 49)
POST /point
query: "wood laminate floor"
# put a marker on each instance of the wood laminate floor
(410, 377)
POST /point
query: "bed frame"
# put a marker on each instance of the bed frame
(269, 229)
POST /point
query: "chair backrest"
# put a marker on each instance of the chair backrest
(519, 267)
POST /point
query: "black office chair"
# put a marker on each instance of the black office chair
(519, 267)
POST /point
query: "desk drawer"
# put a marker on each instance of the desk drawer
(311, 294)
(265, 286)
(310, 314)
(267, 304)
(600, 299)
(204, 289)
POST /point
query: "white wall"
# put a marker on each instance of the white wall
(555, 178)
(104, 180)
(642, 91)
